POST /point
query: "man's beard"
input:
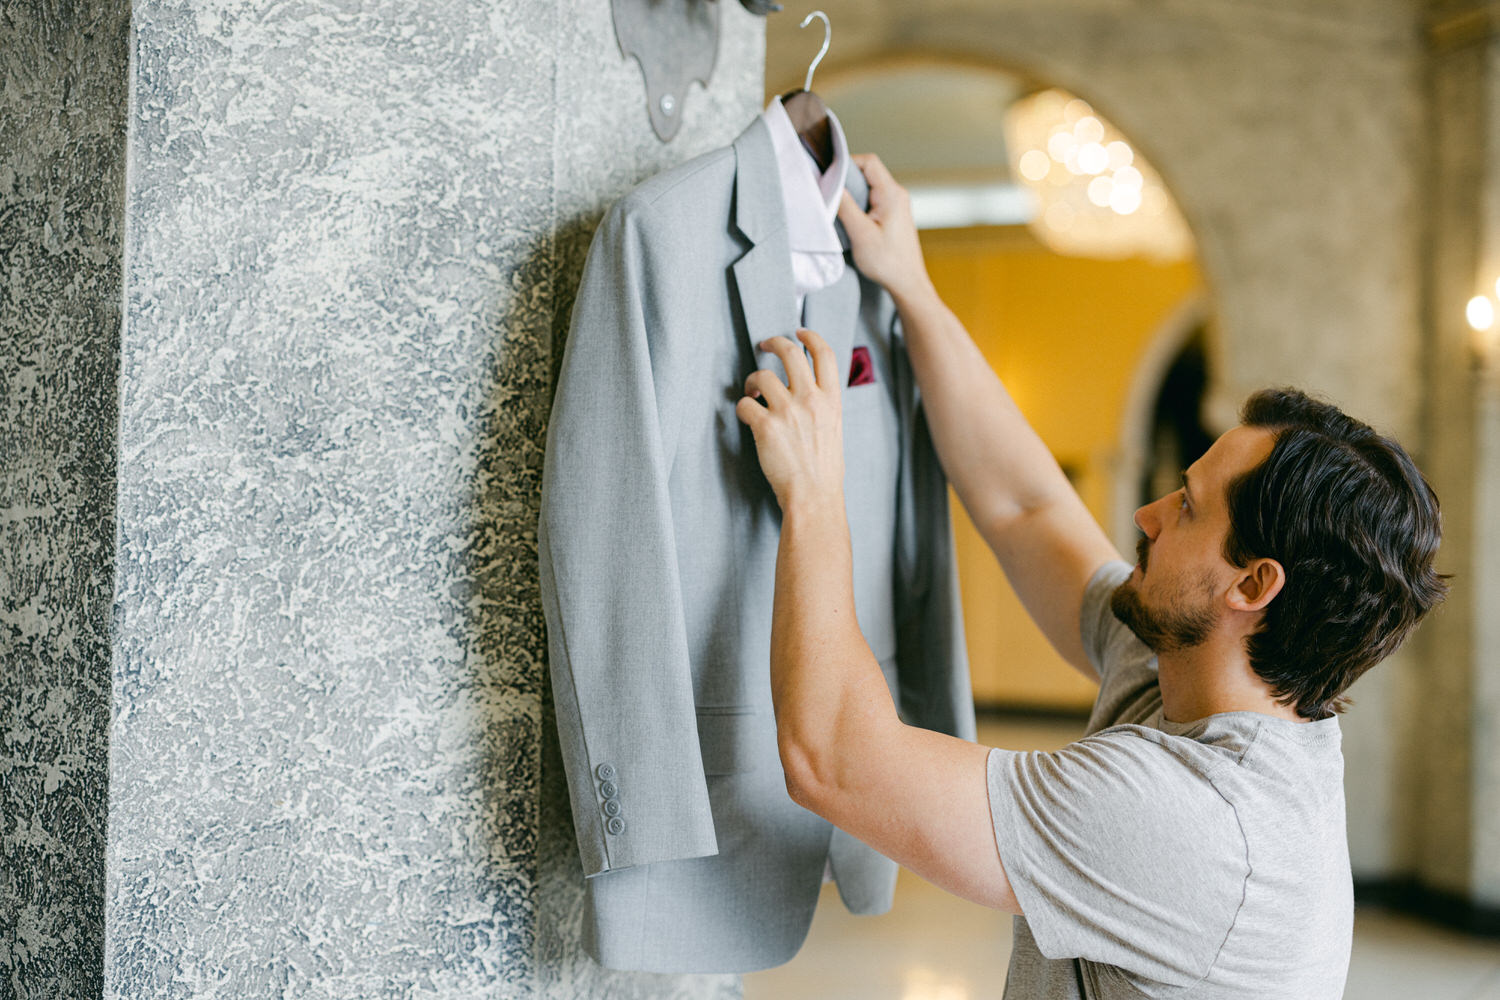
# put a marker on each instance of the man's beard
(1169, 629)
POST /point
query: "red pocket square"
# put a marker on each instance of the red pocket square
(861, 372)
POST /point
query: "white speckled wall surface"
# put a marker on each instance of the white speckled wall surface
(353, 233)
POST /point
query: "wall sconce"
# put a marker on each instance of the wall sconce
(1484, 335)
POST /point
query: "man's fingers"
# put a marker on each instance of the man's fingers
(764, 383)
(854, 218)
(875, 172)
(751, 413)
(798, 374)
(825, 363)
(885, 192)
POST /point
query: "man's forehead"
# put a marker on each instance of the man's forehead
(1238, 450)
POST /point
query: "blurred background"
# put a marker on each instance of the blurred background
(284, 288)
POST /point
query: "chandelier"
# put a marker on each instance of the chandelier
(1095, 195)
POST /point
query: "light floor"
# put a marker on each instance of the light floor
(933, 946)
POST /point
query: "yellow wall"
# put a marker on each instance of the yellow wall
(1065, 335)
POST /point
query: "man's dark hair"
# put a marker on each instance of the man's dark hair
(1356, 527)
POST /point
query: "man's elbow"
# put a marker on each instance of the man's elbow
(806, 770)
(822, 758)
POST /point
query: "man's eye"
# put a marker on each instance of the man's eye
(1183, 504)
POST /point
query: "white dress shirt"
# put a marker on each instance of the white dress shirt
(811, 201)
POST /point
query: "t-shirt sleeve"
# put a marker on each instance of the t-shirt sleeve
(1119, 852)
(1100, 629)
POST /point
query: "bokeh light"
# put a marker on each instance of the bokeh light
(1481, 313)
(1095, 195)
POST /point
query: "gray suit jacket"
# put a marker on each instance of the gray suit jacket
(657, 546)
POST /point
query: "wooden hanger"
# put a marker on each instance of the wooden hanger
(807, 111)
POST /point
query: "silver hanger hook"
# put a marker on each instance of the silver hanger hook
(827, 37)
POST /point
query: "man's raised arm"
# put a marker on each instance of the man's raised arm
(1048, 543)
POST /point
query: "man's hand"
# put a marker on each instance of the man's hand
(799, 430)
(884, 241)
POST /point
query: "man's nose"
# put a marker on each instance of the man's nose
(1145, 519)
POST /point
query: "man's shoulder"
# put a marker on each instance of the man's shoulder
(1139, 783)
(1163, 764)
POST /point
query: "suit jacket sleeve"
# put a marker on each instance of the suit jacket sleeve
(617, 640)
(931, 654)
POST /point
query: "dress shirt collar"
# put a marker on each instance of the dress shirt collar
(811, 199)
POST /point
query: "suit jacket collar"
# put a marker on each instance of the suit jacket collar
(757, 211)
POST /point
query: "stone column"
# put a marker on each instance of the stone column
(1484, 583)
(1453, 694)
(353, 232)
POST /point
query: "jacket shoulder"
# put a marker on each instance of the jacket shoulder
(706, 175)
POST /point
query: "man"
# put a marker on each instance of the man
(1193, 844)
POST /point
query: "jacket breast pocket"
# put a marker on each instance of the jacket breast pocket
(735, 740)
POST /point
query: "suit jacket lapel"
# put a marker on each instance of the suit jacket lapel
(834, 311)
(763, 276)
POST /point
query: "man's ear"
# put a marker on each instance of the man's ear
(1256, 585)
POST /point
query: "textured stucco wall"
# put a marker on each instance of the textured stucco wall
(62, 175)
(353, 231)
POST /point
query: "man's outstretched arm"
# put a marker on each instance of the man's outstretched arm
(918, 797)
(1028, 513)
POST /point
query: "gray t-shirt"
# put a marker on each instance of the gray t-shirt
(1199, 861)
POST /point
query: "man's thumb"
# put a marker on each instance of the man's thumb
(858, 225)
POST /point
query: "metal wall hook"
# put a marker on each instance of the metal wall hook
(827, 37)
